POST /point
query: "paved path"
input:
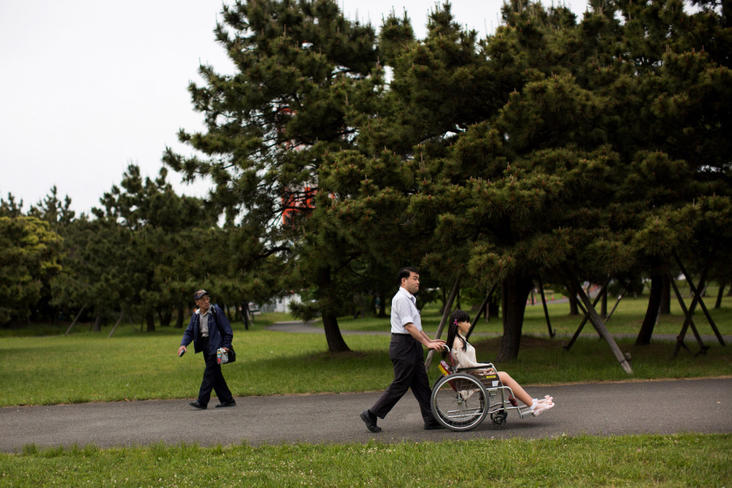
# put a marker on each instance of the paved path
(660, 407)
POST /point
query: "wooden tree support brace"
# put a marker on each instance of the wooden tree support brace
(697, 295)
(610, 315)
(596, 320)
(482, 307)
(443, 320)
(546, 310)
(73, 322)
(688, 321)
(571, 342)
(121, 314)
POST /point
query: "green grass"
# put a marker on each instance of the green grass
(88, 367)
(132, 365)
(626, 320)
(648, 460)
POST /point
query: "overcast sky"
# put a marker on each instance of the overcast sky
(90, 86)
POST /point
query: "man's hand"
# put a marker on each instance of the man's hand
(181, 350)
(436, 344)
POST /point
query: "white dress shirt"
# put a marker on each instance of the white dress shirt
(403, 311)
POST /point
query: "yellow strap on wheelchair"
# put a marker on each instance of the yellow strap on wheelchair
(443, 370)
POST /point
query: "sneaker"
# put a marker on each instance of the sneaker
(540, 406)
(370, 420)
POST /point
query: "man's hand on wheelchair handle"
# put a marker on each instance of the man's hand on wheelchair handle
(437, 344)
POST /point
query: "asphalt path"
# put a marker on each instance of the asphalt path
(635, 407)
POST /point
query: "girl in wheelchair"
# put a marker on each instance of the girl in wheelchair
(463, 353)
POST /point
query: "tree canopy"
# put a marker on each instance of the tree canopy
(557, 148)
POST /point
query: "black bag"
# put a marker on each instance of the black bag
(225, 357)
(221, 356)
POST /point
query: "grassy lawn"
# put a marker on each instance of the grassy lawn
(131, 365)
(626, 320)
(46, 367)
(649, 460)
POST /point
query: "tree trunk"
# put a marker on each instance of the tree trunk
(165, 315)
(150, 320)
(573, 309)
(651, 317)
(179, 320)
(382, 304)
(97, 327)
(333, 335)
(494, 307)
(603, 304)
(245, 313)
(515, 290)
(665, 307)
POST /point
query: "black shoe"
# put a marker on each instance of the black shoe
(370, 420)
(433, 426)
(232, 403)
(197, 405)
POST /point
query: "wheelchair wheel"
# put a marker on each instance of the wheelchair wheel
(459, 402)
(499, 418)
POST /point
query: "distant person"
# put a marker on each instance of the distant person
(464, 355)
(209, 330)
(407, 356)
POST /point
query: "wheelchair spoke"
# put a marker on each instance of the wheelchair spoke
(459, 402)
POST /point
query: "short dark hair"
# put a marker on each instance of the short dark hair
(405, 272)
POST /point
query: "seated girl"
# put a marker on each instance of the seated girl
(464, 355)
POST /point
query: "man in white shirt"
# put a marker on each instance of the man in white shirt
(407, 356)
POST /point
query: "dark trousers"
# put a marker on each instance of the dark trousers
(407, 358)
(213, 378)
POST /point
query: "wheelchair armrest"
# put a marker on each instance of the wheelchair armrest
(483, 366)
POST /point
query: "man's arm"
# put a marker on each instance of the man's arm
(419, 335)
(224, 326)
(187, 337)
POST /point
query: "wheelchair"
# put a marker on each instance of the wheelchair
(463, 397)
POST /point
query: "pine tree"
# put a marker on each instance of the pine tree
(300, 71)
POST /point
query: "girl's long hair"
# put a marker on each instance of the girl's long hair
(452, 329)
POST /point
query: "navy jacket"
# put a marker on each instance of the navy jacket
(219, 331)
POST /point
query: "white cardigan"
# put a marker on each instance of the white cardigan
(466, 358)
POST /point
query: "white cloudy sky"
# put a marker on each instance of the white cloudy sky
(90, 86)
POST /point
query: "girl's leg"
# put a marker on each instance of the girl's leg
(517, 389)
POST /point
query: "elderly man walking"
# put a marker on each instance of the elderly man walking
(209, 330)
(407, 356)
